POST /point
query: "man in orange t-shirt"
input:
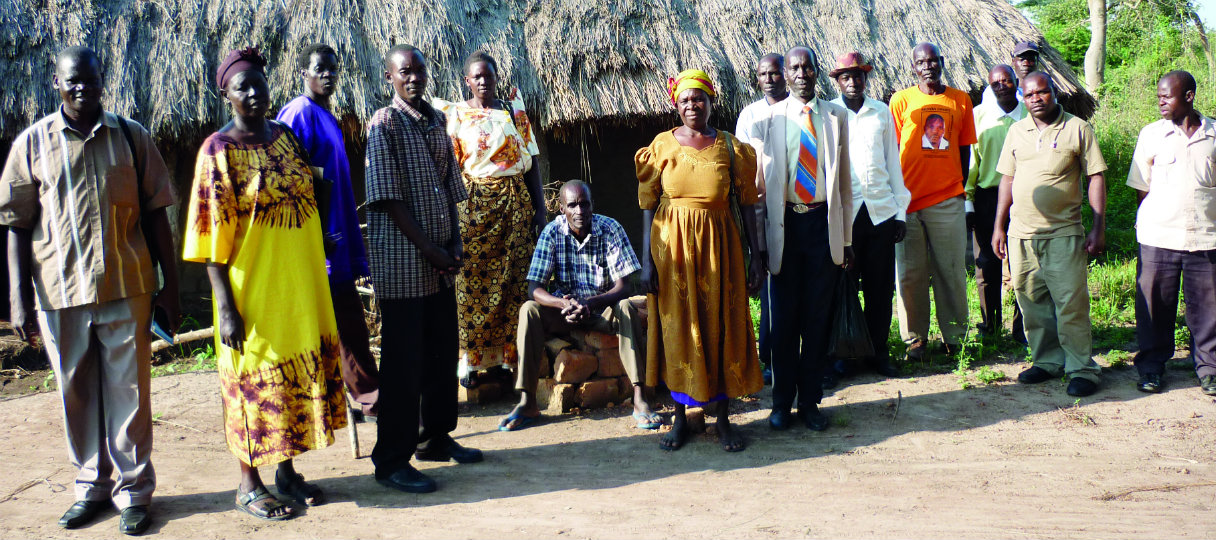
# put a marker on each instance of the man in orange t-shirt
(936, 131)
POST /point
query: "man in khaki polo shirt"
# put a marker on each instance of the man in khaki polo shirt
(1042, 164)
(1175, 178)
(79, 191)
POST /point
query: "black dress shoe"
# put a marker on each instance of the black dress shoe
(1150, 383)
(814, 420)
(81, 513)
(409, 480)
(830, 380)
(443, 448)
(1035, 375)
(885, 368)
(134, 520)
(780, 419)
(1079, 387)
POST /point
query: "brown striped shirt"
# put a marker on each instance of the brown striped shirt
(79, 195)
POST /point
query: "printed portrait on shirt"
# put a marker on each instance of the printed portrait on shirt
(934, 137)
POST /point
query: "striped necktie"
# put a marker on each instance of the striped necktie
(808, 159)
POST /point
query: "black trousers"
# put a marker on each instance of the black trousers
(800, 300)
(874, 266)
(419, 353)
(766, 346)
(988, 268)
(1159, 272)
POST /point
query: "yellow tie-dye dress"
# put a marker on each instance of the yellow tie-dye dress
(252, 208)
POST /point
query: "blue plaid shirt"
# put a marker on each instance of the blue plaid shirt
(564, 266)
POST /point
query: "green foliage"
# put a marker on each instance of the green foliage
(1117, 359)
(987, 375)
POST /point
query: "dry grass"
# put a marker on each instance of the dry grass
(574, 61)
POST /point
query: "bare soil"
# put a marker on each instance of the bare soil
(912, 457)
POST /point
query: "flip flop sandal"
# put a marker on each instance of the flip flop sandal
(245, 502)
(648, 420)
(520, 421)
(299, 490)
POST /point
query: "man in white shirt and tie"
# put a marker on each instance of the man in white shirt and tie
(880, 204)
(808, 226)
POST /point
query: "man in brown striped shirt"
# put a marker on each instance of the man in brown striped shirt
(79, 192)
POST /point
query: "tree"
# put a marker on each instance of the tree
(1095, 55)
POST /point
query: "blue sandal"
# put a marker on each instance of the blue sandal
(648, 420)
(520, 421)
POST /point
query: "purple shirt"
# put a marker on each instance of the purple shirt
(321, 136)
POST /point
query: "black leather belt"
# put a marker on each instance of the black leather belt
(800, 208)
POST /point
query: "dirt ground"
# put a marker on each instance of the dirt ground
(907, 458)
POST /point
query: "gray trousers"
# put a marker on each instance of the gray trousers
(933, 253)
(536, 322)
(102, 357)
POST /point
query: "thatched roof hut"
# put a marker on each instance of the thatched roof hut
(592, 72)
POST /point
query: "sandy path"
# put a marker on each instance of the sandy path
(996, 461)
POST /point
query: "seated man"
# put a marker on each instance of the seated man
(577, 280)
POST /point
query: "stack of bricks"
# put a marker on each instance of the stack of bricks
(583, 370)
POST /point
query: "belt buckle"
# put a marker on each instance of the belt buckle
(801, 208)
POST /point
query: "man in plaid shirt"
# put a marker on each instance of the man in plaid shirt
(577, 280)
(413, 185)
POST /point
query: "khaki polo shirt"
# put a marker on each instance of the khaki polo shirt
(1048, 167)
(79, 195)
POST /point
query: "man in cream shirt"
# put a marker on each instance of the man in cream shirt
(880, 204)
(807, 217)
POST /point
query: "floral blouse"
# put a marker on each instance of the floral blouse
(487, 142)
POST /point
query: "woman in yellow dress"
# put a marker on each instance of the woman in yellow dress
(499, 222)
(253, 220)
(701, 342)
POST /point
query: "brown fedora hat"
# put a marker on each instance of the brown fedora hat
(850, 61)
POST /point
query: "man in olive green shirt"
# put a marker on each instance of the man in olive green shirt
(1043, 161)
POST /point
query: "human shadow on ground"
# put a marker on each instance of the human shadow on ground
(636, 458)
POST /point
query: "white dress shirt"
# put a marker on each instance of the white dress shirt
(756, 111)
(874, 158)
(1178, 174)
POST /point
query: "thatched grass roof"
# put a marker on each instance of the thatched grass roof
(574, 60)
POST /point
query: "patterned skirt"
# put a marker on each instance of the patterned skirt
(496, 226)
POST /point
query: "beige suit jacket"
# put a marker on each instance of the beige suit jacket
(769, 139)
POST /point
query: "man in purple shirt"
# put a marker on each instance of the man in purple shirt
(318, 130)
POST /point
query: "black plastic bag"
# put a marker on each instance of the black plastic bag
(850, 337)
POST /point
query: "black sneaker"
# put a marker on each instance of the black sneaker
(1150, 383)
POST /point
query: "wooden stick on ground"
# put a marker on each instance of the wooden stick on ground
(160, 344)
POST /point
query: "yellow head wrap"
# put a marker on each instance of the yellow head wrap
(690, 78)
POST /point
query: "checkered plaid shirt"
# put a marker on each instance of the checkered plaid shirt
(409, 159)
(564, 266)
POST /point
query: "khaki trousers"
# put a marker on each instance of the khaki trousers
(537, 322)
(102, 357)
(1049, 278)
(933, 253)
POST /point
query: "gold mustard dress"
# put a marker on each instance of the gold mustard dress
(494, 149)
(252, 208)
(701, 342)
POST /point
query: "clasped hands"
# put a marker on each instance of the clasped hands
(574, 310)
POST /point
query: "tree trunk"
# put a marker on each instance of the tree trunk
(1095, 56)
(1203, 38)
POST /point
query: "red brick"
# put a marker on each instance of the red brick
(596, 393)
(600, 340)
(573, 367)
(625, 389)
(486, 392)
(557, 398)
(555, 346)
(610, 363)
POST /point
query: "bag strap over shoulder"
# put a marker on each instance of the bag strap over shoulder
(126, 133)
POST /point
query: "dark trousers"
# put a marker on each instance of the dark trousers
(1158, 275)
(358, 367)
(800, 298)
(419, 353)
(874, 266)
(989, 270)
(766, 346)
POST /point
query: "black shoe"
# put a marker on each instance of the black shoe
(1150, 383)
(1207, 383)
(780, 419)
(885, 368)
(134, 520)
(767, 373)
(1079, 387)
(409, 480)
(81, 513)
(814, 420)
(1035, 375)
(916, 351)
(443, 448)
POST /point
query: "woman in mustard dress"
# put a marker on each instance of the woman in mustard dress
(500, 220)
(701, 342)
(253, 220)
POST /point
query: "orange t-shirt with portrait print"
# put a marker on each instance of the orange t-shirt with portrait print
(931, 129)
